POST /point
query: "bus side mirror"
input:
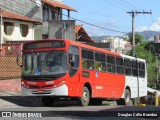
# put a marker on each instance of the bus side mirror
(17, 60)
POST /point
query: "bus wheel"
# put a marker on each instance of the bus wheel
(85, 98)
(48, 101)
(126, 100)
(127, 97)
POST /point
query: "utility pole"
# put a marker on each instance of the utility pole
(133, 13)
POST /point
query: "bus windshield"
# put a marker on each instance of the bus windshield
(44, 63)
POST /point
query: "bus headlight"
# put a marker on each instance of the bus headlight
(22, 83)
(59, 84)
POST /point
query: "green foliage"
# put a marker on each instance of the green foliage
(138, 38)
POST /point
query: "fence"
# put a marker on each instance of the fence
(8, 67)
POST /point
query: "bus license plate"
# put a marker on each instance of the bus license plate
(40, 91)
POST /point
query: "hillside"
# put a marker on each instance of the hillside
(147, 34)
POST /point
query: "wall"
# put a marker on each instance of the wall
(16, 35)
(38, 32)
(64, 29)
(27, 8)
(13, 85)
(8, 67)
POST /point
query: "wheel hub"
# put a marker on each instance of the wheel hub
(85, 96)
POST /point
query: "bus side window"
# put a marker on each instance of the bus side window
(100, 62)
(87, 59)
(119, 65)
(134, 68)
(141, 71)
(73, 60)
(127, 67)
(111, 63)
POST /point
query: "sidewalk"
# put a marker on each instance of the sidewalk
(6, 93)
(3, 96)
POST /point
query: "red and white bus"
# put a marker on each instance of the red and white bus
(53, 68)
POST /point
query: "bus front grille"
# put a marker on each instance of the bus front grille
(41, 91)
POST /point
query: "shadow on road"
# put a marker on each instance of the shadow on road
(23, 101)
(36, 101)
(76, 112)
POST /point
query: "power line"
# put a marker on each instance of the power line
(139, 21)
(115, 5)
(21, 12)
(64, 31)
(120, 3)
(140, 24)
(133, 13)
(148, 25)
(95, 25)
(133, 6)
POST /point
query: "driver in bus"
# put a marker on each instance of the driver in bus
(55, 64)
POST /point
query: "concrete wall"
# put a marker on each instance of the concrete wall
(13, 85)
(27, 8)
(16, 35)
(62, 29)
(38, 32)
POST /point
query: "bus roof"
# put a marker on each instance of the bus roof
(87, 47)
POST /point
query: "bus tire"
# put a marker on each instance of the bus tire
(48, 101)
(85, 98)
(127, 98)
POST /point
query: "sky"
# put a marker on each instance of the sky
(112, 14)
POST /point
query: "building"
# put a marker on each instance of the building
(116, 44)
(81, 35)
(127, 47)
(48, 12)
(24, 20)
(16, 27)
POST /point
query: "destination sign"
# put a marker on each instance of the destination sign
(44, 44)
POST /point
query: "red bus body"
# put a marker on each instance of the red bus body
(101, 84)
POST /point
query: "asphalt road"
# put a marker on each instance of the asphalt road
(71, 110)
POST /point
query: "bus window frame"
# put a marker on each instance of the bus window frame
(129, 67)
(111, 64)
(86, 59)
(142, 70)
(68, 54)
(100, 61)
(135, 67)
(118, 65)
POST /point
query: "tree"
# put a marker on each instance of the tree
(138, 38)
